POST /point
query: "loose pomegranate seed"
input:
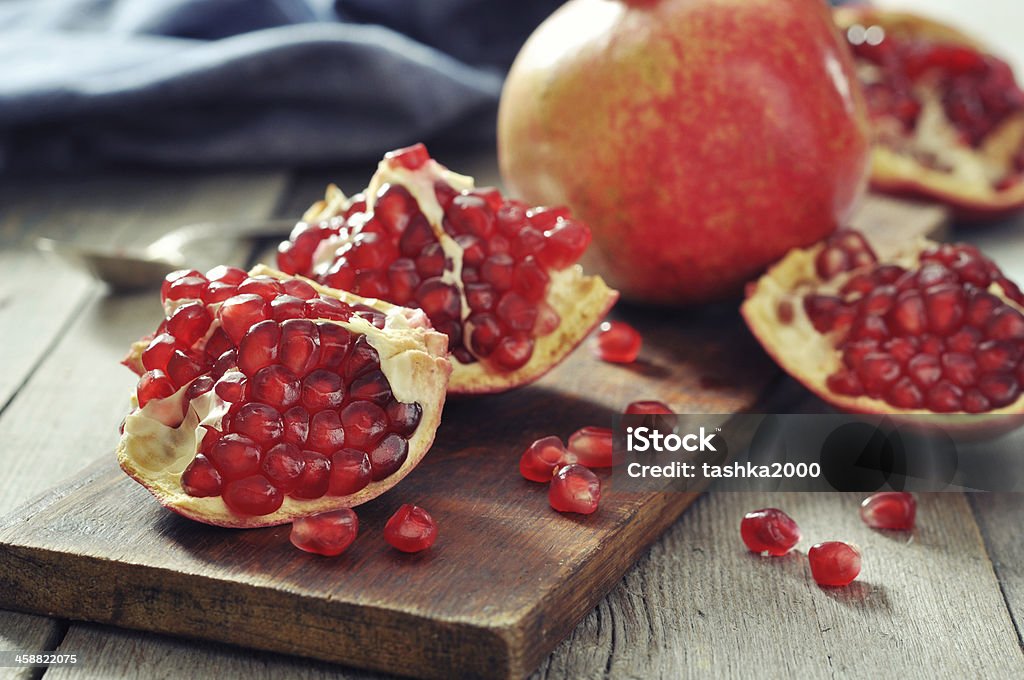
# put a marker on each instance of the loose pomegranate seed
(574, 488)
(540, 460)
(328, 533)
(889, 510)
(769, 532)
(648, 407)
(834, 563)
(617, 342)
(592, 447)
(411, 529)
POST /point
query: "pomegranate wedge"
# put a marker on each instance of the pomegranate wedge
(263, 398)
(930, 329)
(947, 116)
(496, 276)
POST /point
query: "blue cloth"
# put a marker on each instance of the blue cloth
(87, 83)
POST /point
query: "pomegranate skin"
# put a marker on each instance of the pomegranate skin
(699, 139)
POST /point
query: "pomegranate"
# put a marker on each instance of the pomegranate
(327, 533)
(882, 328)
(495, 275)
(769, 532)
(411, 529)
(894, 510)
(834, 563)
(699, 139)
(263, 398)
(574, 488)
(947, 116)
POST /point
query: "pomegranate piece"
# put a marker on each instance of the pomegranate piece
(592, 447)
(834, 563)
(542, 458)
(574, 488)
(617, 342)
(495, 275)
(411, 529)
(932, 329)
(648, 407)
(769, 532)
(894, 510)
(327, 533)
(296, 413)
(946, 116)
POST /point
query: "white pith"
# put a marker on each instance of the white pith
(155, 448)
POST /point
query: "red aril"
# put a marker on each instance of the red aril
(947, 116)
(769, 532)
(411, 529)
(648, 407)
(261, 420)
(574, 488)
(496, 276)
(542, 458)
(617, 342)
(894, 510)
(592, 447)
(926, 329)
(834, 563)
(326, 533)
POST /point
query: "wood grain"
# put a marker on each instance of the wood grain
(999, 515)
(102, 549)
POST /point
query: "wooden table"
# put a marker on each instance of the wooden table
(698, 604)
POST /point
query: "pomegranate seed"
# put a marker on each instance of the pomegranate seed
(574, 488)
(592, 447)
(315, 477)
(264, 286)
(411, 529)
(326, 433)
(564, 244)
(322, 389)
(540, 460)
(513, 351)
(388, 456)
(189, 323)
(516, 312)
(889, 510)
(275, 385)
(769, 532)
(259, 422)
(299, 289)
(410, 157)
(258, 349)
(154, 385)
(334, 345)
(228, 275)
(328, 533)
(299, 346)
(648, 407)
(240, 313)
(252, 496)
(372, 386)
(364, 423)
(235, 456)
(834, 563)
(231, 387)
(296, 426)
(283, 465)
(158, 353)
(617, 342)
(350, 472)
(326, 308)
(174, 277)
(201, 479)
(404, 418)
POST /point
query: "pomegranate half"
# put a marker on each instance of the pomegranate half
(878, 328)
(263, 398)
(947, 116)
(496, 276)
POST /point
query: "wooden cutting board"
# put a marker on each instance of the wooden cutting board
(508, 577)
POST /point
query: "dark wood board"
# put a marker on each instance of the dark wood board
(507, 580)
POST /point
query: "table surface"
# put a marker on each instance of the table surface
(950, 596)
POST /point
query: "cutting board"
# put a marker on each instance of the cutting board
(508, 577)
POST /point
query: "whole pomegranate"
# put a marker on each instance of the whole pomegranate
(699, 139)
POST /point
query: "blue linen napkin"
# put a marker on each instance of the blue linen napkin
(86, 83)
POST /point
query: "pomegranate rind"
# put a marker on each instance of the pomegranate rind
(967, 189)
(412, 356)
(581, 301)
(811, 357)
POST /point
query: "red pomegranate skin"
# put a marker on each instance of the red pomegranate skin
(699, 139)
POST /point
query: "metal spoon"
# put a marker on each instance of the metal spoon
(128, 269)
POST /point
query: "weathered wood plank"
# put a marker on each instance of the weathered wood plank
(999, 515)
(700, 605)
